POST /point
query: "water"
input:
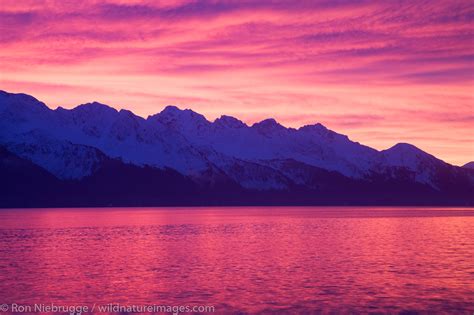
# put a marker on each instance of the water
(247, 260)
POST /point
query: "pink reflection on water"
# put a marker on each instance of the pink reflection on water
(241, 259)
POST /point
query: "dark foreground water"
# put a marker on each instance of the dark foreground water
(242, 260)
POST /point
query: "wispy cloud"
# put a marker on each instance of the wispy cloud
(380, 71)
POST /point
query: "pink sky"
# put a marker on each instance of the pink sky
(381, 72)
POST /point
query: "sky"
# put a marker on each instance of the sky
(381, 72)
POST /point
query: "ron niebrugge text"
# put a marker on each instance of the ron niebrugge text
(108, 308)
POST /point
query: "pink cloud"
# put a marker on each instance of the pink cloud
(382, 72)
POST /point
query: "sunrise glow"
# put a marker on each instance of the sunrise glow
(381, 72)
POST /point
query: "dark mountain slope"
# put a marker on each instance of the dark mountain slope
(116, 183)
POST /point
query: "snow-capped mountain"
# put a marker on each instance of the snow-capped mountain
(73, 144)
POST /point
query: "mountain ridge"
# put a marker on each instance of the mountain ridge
(260, 159)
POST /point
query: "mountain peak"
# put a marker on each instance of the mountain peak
(229, 121)
(171, 109)
(21, 96)
(268, 121)
(95, 107)
(268, 124)
(20, 99)
(22, 107)
(404, 150)
(172, 115)
(321, 131)
(405, 154)
(314, 127)
(403, 147)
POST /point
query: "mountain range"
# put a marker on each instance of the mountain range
(94, 155)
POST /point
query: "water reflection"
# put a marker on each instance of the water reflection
(252, 260)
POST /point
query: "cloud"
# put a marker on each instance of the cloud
(357, 66)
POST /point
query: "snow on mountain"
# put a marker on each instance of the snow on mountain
(268, 140)
(61, 158)
(258, 156)
(247, 174)
(118, 134)
(403, 155)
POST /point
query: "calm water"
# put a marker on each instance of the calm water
(242, 260)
